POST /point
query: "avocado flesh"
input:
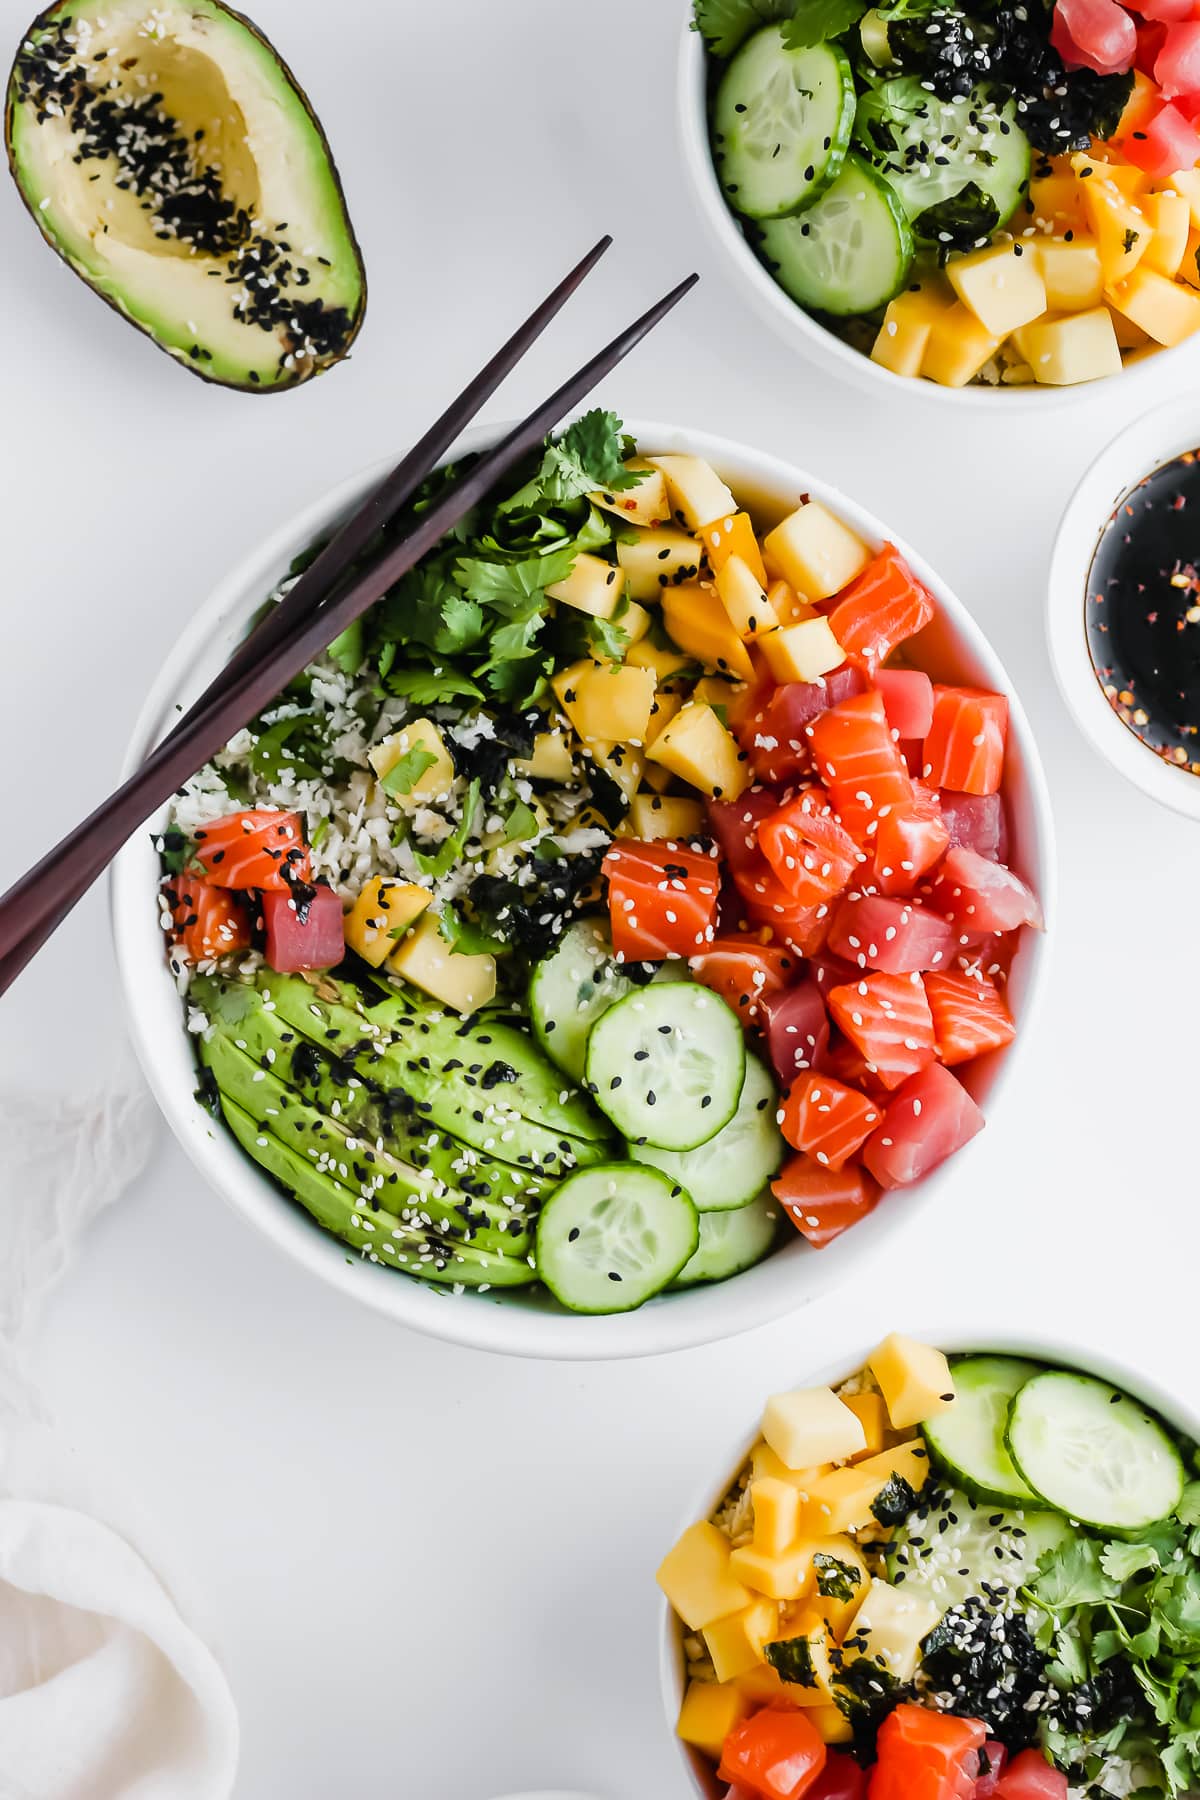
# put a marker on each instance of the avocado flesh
(184, 177)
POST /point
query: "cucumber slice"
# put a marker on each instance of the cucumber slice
(781, 124)
(1093, 1452)
(959, 167)
(732, 1241)
(968, 1440)
(667, 1065)
(570, 988)
(733, 1167)
(848, 254)
(610, 1237)
(978, 1545)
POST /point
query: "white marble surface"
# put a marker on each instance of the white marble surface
(430, 1572)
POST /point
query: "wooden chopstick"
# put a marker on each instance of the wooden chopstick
(338, 556)
(41, 899)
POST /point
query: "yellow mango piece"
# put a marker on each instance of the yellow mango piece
(744, 599)
(733, 536)
(655, 558)
(662, 711)
(424, 958)
(697, 1579)
(787, 605)
(550, 760)
(958, 348)
(1170, 217)
(695, 492)
(840, 1581)
(760, 1686)
(914, 1379)
(871, 1413)
(765, 1465)
(610, 703)
(735, 1642)
(815, 552)
(843, 1499)
(804, 1659)
(697, 622)
(1128, 335)
(1073, 347)
(904, 334)
(698, 748)
(776, 1506)
(643, 504)
(665, 663)
(1055, 201)
(802, 652)
(381, 914)
(1001, 285)
(1165, 310)
(890, 1626)
(785, 1576)
(1071, 273)
(713, 690)
(1120, 228)
(658, 778)
(832, 1724)
(1187, 183)
(657, 816)
(594, 586)
(809, 1426)
(710, 1711)
(410, 791)
(1126, 177)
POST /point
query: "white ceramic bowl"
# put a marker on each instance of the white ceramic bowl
(1150, 441)
(1043, 1348)
(805, 333)
(515, 1321)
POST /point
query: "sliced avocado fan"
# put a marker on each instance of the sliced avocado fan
(428, 1143)
(168, 155)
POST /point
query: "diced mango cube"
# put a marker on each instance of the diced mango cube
(665, 663)
(890, 1626)
(696, 620)
(658, 778)
(809, 1426)
(765, 1465)
(1128, 335)
(697, 747)
(714, 690)
(1167, 311)
(904, 334)
(655, 558)
(760, 1686)
(800, 1652)
(424, 958)
(710, 1711)
(662, 711)
(1187, 183)
(785, 1576)
(393, 762)
(776, 1506)
(733, 535)
(744, 599)
(1171, 219)
(593, 586)
(643, 504)
(871, 1413)
(845, 1499)
(815, 552)
(1002, 285)
(1055, 201)
(1120, 228)
(550, 759)
(654, 816)
(735, 1642)
(958, 348)
(697, 1580)
(607, 703)
(695, 492)
(914, 1379)
(832, 1724)
(1071, 273)
(788, 607)
(802, 652)
(1074, 347)
(381, 914)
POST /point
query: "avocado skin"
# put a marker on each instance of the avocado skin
(61, 11)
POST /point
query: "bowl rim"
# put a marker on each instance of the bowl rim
(1141, 446)
(679, 1321)
(956, 1337)
(798, 327)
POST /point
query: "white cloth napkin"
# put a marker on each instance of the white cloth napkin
(105, 1692)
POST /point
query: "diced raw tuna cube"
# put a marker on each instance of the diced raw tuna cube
(927, 1120)
(303, 936)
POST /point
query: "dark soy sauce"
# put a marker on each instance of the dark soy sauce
(1143, 611)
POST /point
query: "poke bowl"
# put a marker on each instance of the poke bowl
(976, 1584)
(954, 200)
(469, 958)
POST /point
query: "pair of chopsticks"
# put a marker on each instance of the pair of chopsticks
(317, 609)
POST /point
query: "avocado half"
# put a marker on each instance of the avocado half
(169, 156)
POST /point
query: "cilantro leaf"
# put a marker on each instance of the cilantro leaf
(725, 23)
(346, 649)
(607, 638)
(816, 21)
(465, 937)
(1123, 1560)
(461, 626)
(521, 824)
(407, 770)
(589, 455)
(448, 853)
(429, 687)
(1073, 1577)
(1188, 1510)
(514, 588)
